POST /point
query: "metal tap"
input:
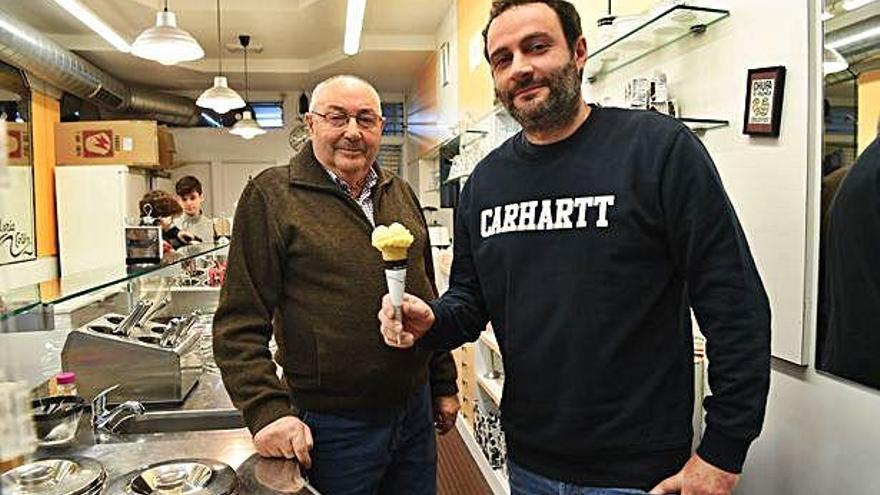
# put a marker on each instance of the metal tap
(106, 421)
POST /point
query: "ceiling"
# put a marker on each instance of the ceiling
(301, 40)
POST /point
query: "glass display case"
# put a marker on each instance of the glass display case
(189, 277)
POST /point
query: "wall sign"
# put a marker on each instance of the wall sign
(763, 112)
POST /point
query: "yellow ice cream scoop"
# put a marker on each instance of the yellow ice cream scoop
(393, 241)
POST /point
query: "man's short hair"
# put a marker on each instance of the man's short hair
(313, 102)
(161, 205)
(187, 185)
(566, 12)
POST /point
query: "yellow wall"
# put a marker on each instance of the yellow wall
(869, 108)
(475, 90)
(46, 112)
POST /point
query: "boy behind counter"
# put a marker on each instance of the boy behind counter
(189, 189)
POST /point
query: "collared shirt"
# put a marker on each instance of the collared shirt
(365, 200)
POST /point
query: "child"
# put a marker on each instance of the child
(189, 189)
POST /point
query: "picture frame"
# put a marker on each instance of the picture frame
(765, 89)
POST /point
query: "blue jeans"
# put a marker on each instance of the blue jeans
(391, 455)
(525, 482)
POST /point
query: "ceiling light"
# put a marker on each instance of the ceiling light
(94, 23)
(854, 4)
(855, 38)
(220, 97)
(246, 126)
(165, 42)
(354, 22)
(833, 61)
(826, 16)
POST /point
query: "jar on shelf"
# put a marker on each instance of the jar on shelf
(65, 384)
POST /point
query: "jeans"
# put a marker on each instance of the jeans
(525, 482)
(391, 455)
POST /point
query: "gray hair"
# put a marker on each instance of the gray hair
(316, 93)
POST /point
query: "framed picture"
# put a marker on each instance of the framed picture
(763, 112)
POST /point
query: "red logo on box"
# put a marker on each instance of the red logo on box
(13, 144)
(97, 144)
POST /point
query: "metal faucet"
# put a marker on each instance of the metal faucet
(106, 421)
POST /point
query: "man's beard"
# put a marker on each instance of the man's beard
(557, 110)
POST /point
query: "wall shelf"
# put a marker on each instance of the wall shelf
(492, 387)
(676, 23)
(699, 126)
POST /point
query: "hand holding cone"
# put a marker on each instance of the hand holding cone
(393, 242)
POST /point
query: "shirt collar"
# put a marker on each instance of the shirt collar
(370, 181)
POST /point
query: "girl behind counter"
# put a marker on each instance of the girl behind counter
(160, 208)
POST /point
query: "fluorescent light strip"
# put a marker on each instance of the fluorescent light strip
(94, 23)
(854, 4)
(211, 120)
(354, 22)
(850, 40)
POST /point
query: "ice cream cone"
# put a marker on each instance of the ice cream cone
(393, 242)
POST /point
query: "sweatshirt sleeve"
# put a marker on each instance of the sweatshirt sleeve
(243, 321)
(728, 298)
(460, 314)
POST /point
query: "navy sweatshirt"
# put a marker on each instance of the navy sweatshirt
(586, 255)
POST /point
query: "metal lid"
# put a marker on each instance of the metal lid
(178, 477)
(78, 476)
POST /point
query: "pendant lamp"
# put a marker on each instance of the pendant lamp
(220, 97)
(246, 126)
(165, 42)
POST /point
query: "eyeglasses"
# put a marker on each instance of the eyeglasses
(365, 121)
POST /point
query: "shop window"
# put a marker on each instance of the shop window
(269, 114)
(395, 120)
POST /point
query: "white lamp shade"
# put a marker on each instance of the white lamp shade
(166, 43)
(220, 97)
(247, 127)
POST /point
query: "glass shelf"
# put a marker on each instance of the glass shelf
(700, 126)
(666, 28)
(20, 300)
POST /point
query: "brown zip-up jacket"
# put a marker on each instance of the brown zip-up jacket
(301, 261)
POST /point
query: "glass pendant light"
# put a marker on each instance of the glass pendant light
(246, 126)
(220, 97)
(165, 42)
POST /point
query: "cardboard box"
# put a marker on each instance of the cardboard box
(17, 143)
(113, 142)
(167, 149)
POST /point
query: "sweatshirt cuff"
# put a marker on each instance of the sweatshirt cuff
(435, 338)
(722, 451)
(265, 413)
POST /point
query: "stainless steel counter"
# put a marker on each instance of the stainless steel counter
(123, 453)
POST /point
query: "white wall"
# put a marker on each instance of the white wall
(821, 434)
(25, 273)
(765, 178)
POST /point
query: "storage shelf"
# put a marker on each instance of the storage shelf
(488, 338)
(663, 30)
(492, 387)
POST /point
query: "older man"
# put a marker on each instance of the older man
(586, 239)
(301, 259)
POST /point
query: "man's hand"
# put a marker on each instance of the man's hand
(286, 437)
(445, 411)
(698, 477)
(417, 319)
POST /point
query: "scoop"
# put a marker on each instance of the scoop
(393, 242)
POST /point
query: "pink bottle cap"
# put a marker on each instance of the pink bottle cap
(65, 378)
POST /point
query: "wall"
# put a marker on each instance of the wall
(765, 178)
(820, 434)
(869, 108)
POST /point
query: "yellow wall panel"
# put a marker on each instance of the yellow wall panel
(476, 93)
(46, 112)
(869, 108)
